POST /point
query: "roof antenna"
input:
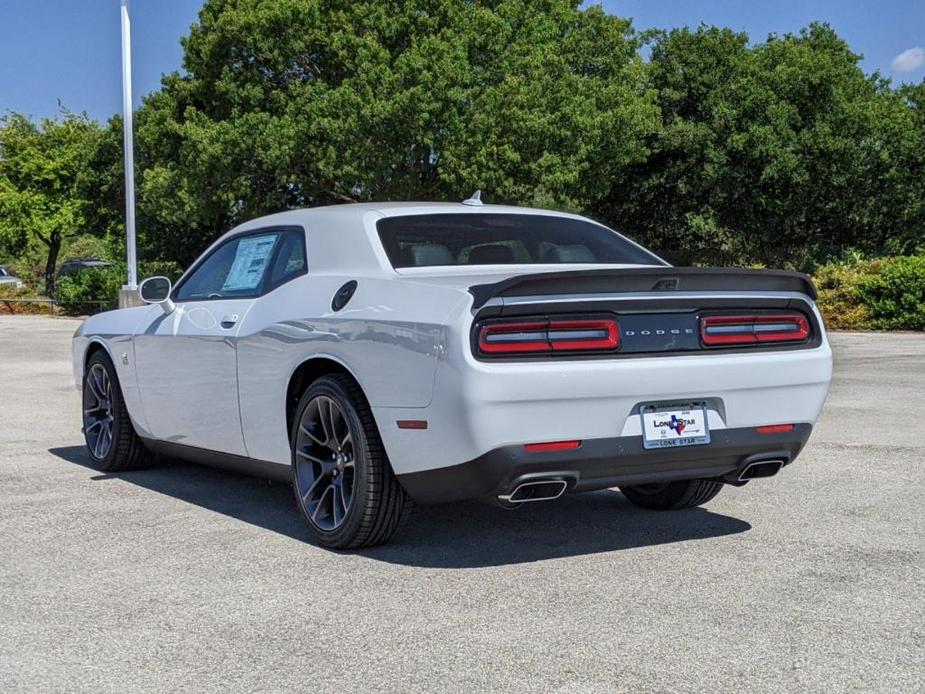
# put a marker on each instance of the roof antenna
(475, 200)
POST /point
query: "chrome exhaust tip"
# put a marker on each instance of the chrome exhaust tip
(759, 469)
(540, 490)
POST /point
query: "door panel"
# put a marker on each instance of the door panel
(187, 362)
(187, 375)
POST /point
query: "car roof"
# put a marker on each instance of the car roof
(358, 210)
(341, 240)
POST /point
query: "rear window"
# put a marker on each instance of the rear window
(502, 239)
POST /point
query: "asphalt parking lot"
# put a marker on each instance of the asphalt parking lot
(183, 578)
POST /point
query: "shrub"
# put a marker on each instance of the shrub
(97, 289)
(90, 291)
(21, 301)
(881, 294)
(838, 301)
(895, 293)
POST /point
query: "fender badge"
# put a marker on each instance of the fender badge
(125, 357)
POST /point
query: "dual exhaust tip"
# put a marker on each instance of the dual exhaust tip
(535, 490)
(549, 489)
(760, 468)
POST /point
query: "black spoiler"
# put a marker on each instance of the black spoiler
(648, 279)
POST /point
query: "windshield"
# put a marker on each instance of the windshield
(3, 272)
(429, 240)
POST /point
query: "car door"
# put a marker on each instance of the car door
(186, 362)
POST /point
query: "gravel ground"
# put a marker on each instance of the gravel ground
(183, 578)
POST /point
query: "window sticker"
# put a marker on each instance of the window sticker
(250, 261)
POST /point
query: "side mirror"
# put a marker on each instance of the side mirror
(156, 290)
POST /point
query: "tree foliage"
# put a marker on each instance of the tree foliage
(44, 172)
(782, 153)
(714, 150)
(290, 103)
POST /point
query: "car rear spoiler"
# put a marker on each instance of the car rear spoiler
(644, 280)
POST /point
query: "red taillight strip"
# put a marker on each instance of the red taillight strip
(573, 335)
(583, 334)
(552, 446)
(504, 338)
(753, 328)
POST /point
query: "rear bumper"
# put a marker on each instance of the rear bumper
(604, 463)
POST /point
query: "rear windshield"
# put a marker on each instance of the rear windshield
(501, 239)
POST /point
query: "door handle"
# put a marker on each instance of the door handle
(230, 320)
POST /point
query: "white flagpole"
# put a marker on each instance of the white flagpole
(129, 149)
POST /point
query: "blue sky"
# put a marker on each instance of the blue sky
(69, 49)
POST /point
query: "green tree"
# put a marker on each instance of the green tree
(781, 153)
(288, 103)
(43, 168)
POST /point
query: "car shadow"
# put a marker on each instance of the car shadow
(462, 535)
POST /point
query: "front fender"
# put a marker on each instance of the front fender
(113, 331)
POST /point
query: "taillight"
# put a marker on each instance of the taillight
(545, 336)
(753, 329)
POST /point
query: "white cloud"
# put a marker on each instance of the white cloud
(909, 60)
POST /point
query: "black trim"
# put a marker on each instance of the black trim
(605, 463)
(643, 307)
(683, 279)
(264, 288)
(225, 461)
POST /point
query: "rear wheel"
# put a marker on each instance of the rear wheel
(343, 481)
(111, 440)
(669, 496)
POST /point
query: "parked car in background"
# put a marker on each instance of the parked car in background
(77, 265)
(377, 355)
(7, 279)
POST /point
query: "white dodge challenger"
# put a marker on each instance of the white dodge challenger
(377, 355)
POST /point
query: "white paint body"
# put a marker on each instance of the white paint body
(405, 338)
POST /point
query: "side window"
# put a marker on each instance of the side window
(290, 259)
(235, 269)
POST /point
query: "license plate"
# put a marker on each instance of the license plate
(680, 424)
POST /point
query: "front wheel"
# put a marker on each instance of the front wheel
(343, 481)
(669, 496)
(111, 440)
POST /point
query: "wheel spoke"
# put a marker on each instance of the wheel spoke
(342, 495)
(93, 425)
(305, 430)
(100, 383)
(307, 496)
(332, 411)
(338, 507)
(94, 389)
(98, 445)
(107, 440)
(324, 495)
(308, 456)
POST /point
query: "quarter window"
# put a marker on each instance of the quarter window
(290, 259)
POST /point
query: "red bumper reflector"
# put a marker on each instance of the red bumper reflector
(775, 429)
(551, 446)
(412, 423)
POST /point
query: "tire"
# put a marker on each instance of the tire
(112, 444)
(343, 481)
(671, 496)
